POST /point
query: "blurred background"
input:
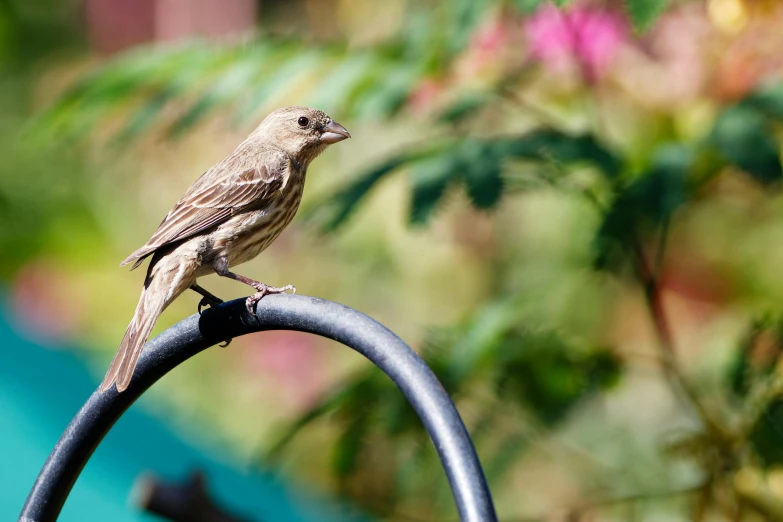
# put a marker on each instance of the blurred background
(572, 210)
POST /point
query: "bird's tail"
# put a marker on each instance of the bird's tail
(151, 303)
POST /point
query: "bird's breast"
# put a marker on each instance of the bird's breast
(246, 235)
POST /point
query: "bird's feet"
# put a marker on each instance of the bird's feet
(212, 301)
(264, 290)
(208, 301)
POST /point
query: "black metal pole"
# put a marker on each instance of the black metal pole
(277, 312)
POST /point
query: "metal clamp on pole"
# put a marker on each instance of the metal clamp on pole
(276, 312)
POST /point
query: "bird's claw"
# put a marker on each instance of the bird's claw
(208, 301)
(264, 290)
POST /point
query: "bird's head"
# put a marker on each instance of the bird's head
(301, 131)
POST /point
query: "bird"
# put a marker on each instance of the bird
(228, 216)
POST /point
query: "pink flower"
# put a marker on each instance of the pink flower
(490, 37)
(490, 53)
(292, 361)
(424, 97)
(40, 288)
(588, 38)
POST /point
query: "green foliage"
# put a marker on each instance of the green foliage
(340, 206)
(766, 438)
(43, 204)
(483, 181)
(465, 16)
(366, 84)
(754, 363)
(746, 138)
(29, 32)
(644, 13)
(535, 374)
(539, 370)
(745, 134)
(202, 80)
(31, 186)
(527, 6)
(755, 367)
(464, 107)
(645, 205)
(743, 137)
(768, 100)
(550, 376)
(478, 163)
(429, 183)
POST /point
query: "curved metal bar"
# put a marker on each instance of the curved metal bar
(277, 312)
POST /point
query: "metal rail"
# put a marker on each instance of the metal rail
(276, 312)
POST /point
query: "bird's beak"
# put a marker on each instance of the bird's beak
(334, 132)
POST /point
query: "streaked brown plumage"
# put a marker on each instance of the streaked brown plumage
(228, 216)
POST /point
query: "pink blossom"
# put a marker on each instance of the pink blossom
(490, 37)
(292, 361)
(589, 38)
(423, 98)
(39, 287)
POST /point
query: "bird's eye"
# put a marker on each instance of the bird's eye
(303, 121)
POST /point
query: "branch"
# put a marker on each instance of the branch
(650, 280)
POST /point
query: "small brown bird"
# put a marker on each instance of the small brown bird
(228, 216)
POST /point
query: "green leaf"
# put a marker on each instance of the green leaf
(644, 13)
(527, 6)
(388, 94)
(228, 86)
(480, 338)
(758, 356)
(349, 446)
(481, 170)
(464, 107)
(182, 71)
(375, 82)
(332, 91)
(355, 397)
(645, 204)
(293, 66)
(766, 437)
(337, 208)
(289, 432)
(484, 185)
(767, 100)
(536, 373)
(346, 201)
(745, 137)
(429, 182)
(463, 17)
(479, 162)
(549, 375)
(557, 147)
(135, 75)
(143, 118)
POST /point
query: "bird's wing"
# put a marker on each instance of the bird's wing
(205, 207)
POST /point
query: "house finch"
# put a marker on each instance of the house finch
(228, 216)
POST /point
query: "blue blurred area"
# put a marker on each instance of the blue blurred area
(41, 389)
